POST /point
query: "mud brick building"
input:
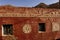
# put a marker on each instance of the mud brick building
(21, 23)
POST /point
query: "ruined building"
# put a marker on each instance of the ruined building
(22, 23)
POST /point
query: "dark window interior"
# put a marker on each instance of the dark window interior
(8, 29)
(58, 39)
(41, 26)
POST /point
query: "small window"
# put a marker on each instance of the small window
(7, 29)
(41, 27)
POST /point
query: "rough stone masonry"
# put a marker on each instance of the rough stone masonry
(25, 23)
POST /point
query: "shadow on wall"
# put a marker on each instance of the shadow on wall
(0, 37)
(58, 39)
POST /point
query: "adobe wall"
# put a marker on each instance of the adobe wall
(18, 24)
(28, 12)
(21, 16)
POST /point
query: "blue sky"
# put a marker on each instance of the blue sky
(26, 3)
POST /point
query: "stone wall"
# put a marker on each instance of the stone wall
(19, 24)
(20, 16)
(28, 12)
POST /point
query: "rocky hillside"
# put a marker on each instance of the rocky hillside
(55, 5)
(43, 5)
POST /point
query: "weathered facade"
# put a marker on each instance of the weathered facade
(29, 23)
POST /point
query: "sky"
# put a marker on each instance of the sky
(26, 3)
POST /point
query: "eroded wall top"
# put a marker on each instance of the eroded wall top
(10, 11)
